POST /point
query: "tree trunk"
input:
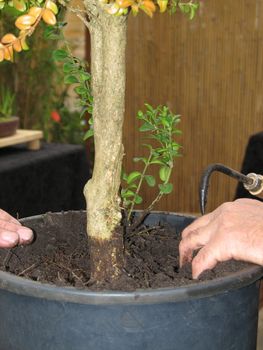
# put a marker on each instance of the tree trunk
(108, 41)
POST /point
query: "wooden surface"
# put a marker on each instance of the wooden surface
(209, 70)
(30, 137)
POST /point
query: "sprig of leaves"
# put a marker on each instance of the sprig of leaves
(6, 103)
(122, 7)
(161, 125)
(189, 8)
(76, 73)
(21, 5)
(55, 32)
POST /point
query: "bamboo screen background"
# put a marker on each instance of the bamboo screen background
(210, 71)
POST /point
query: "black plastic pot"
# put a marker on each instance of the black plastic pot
(216, 315)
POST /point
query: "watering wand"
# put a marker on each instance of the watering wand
(251, 182)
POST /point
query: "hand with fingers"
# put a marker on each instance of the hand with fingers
(12, 232)
(233, 231)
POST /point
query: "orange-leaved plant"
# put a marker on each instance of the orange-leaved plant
(26, 25)
(31, 17)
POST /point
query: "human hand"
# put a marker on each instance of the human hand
(233, 231)
(12, 232)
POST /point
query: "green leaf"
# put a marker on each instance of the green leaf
(25, 46)
(126, 202)
(124, 175)
(80, 90)
(51, 33)
(184, 7)
(83, 112)
(175, 146)
(84, 76)
(127, 194)
(194, 8)
(160, 151)
(189, 8)
(165, 122)
(166, 188)
(133, 176)
(132, 186)
(150, 180)
(177, 132)
(157, 161)
(147, 127)
(88, 134)
(70, 79)
(138, 199)
(164, 173)
(68, 67)
(149, 107)
(140, 115)
(59, 55)
(148, 146)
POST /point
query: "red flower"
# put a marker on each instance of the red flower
(55, 116)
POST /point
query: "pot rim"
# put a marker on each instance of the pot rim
(12, 118)
(23, 286)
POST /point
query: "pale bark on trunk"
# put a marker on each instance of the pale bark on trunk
(108, 41)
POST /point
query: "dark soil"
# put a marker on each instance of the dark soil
(59, 255)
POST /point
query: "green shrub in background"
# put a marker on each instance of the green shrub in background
(39, 87)
(64, 126)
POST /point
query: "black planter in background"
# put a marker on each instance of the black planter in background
(50, 179)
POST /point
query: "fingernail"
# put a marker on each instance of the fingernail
(25, 234)
(9, 236)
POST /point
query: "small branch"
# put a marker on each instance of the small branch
(139, 185)
(92, 8)
(79, 13)
(159, 196)
(70, 271)
(145, 213)
(76, 276)
(28, 269)
(149, 229)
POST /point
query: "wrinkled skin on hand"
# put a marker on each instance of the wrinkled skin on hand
(233, 231)
(12, 232)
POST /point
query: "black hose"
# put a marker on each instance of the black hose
(204, 184)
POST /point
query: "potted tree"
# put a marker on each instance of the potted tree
(200, 315)
(8, 122)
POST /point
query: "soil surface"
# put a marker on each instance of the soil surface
(59, 255)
